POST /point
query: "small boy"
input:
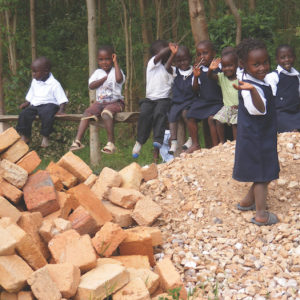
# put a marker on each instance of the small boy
(45, 98)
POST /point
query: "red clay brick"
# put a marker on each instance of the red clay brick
(133, 261)
(16, 151)
(7, 138)
(8, 210)
(149, 172)
(155, 233)
(10, 192)
(29, 162)
(126, 198)
(132, 176)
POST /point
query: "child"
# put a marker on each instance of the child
(256, 158)
(286, 88)
(182, 91)
(210, 95)
(228, 113)
(153, 109)
(108, 81)
(45, 98)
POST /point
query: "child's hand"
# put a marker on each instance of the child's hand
(243, 86)
(114, 58)
(23, 105)
(215, 63)
(196, 71)
(173, 47)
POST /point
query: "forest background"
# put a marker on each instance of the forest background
(60, 31)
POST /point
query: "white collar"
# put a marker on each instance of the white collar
(204, 68)
(247, 76)
(293, 71)
(47, 82)
(187, 72)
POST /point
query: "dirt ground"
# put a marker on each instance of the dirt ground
(214, 245)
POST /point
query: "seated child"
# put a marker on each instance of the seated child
(108, 81)
(285, 83)
(209, 101)
(154, 108)
(228, 113)
(45, 98)
(182, 91)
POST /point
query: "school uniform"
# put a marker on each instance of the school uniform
(209, 100)
(182, 94)
(154, 108)
(256, 157)
(45, 98)
(286, 89)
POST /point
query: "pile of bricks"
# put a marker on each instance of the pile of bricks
(66, 233)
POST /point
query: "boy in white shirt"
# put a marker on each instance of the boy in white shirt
(45, 98)
(154, 108)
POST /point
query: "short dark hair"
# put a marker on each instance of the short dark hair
(282, 46)
(228, 49)
(231, 53)
(207, 43)
(184, 50)
(108, 48)
(247, 45)
(157, 45)
(44, 62)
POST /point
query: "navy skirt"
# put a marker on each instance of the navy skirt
(202, 109)
(288, 121)
(176, 110)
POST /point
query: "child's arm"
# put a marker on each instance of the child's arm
(118, 73)
(174, 48)
(24, 105)
(213, 66)
(256, 99)
(95, 84)
(197, 72)
(158, 57)
(61, 110)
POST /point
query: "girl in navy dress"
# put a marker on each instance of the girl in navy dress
(256, 158)
(285, 83)
(182, 91)
(209, 101)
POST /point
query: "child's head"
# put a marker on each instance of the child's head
(41, 68)
(205, 52)
(229, 62)
(104, 57)
(254, 57)
(183, 58)
(285, 56)
(158, 45)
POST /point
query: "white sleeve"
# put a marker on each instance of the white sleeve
(272, 79)
(252, 110)
(151, 65)
(29, 94)
(59, 94)
(199, 81)
(97, 75)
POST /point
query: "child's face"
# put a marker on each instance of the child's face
(183, 61)
(105, 61)
(229, 66)
(285, 58)
(257, 64)
(205, 54)
(39, 72)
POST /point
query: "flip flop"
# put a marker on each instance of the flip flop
(246, 208)
(109, 148)
(76, 145)
(272, 219)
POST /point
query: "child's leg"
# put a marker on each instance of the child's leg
(249, 199)
(155, 155)
(193, 131)
(213, 131)
(234, 131)
(220, 131)
(46, 113)
(173, 130)
(25, 120)
(83, 125)
(160, 119)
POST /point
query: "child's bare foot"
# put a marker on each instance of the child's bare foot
(192, 149)
(25, 139)
(45, 142)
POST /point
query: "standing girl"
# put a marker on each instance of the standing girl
(256, 158)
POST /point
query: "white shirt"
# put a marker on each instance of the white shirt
(252, 110)
(273, 78)
(110, 90)
(158, 81)
(45, 92)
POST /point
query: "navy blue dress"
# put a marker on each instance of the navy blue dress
(287, 103)
(256, 158)
(210, 99)
(182, 96)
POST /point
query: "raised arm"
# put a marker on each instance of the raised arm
(174, 48)
(213, 66)
(197, 72)
(118, 73)
(158, 57)
(95, 84)
(256, 99)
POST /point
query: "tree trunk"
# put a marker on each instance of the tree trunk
(198, 20)
(32, 30)
(175, 19)
(238, 20)
(252, 6)
(158, 13)
(212, 9)
(11, 25)
(95, 156)
(99, 12)
(3, 126)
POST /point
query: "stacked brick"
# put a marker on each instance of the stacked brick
(64, 231)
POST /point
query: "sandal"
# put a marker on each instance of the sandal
(76, 145)
(272, 219)
(246, 208)
(109, 148)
